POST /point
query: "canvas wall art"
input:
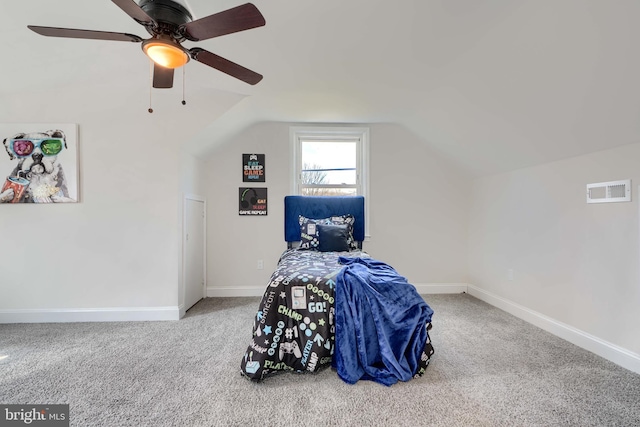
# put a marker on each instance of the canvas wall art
(253, 168)
(253, 201)
(38, 163)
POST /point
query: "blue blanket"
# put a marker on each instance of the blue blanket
(381, 323)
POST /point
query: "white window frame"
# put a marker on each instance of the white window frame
(332, 133)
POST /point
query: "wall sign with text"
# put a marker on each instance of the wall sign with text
(253, 168)
(253, 201)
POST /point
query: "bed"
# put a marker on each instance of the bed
(328, 303)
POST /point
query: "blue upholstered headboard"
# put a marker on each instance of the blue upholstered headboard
(317, 207)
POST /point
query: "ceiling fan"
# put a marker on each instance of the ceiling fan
(169, 24)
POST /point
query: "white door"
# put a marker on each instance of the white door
(194, 252)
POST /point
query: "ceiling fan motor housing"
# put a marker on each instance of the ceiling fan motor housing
(169, 15)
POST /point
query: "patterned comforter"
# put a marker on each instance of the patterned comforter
(294, 327)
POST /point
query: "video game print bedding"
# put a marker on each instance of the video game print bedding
(294, 328)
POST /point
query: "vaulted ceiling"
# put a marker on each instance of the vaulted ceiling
(494, 85)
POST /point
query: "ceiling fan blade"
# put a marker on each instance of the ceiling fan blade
(162, 77)
(132, 9)
(226, 66)
(84, 34)
(236, 19)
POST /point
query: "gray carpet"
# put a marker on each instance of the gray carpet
(489, 369)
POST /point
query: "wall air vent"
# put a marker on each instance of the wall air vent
(609, 192)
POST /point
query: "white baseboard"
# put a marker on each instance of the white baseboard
(119, 314)
(618, 355)
(440, 288)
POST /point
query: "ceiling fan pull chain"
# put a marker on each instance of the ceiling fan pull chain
(184, 77)
(151, 84)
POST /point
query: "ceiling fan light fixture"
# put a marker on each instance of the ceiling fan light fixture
(165, 53)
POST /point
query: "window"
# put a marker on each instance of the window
(330, 161)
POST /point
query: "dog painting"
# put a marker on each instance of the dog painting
(34, 172)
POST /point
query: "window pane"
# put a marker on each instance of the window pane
(328, 162)
(312, 175)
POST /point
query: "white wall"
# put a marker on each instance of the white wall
(235, 243)
(118, 250)
(574, 262)
(418, 207)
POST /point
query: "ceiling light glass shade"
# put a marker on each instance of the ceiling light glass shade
(165, 53)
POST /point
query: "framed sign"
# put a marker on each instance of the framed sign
(253, 168)
(253, 201)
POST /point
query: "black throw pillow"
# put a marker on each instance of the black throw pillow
(333, 238)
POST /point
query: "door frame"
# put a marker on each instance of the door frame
(196, 198)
